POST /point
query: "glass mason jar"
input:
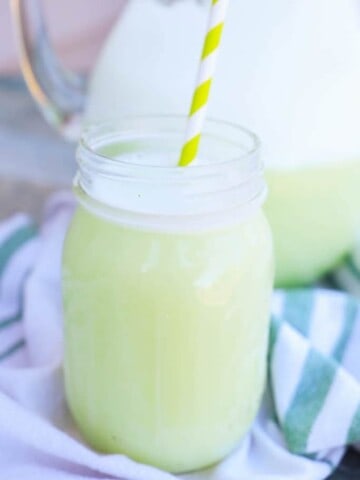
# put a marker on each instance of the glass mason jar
(167, 279)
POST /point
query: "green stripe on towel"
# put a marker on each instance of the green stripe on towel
(12, 244)
(298, 309)
(314, 385)
(10, 321)
(353, 436)
(11, 350)
(351, 313)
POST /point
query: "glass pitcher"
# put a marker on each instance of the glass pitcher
(288, 70)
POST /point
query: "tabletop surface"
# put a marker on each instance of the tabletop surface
(35, 161)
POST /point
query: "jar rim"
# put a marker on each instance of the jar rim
(126, 125)
(119, 168)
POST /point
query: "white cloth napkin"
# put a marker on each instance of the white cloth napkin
(38, 439)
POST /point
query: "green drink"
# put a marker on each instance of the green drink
(166, 314)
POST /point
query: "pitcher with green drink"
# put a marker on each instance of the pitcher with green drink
(289, 71)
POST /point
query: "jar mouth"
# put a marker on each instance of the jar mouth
(245, 144)
(132, 167)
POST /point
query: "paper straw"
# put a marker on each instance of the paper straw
(204, 80)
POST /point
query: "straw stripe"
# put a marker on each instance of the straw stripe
(200, 97)
(218, 15)
(204, 81)
(212, 41)
(190, 149)
(197, 118)
(207, 66)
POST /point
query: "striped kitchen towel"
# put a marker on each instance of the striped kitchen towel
(18, 246)
(310, 413)
(315, 368)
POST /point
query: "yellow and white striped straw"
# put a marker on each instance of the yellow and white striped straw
(204, 80)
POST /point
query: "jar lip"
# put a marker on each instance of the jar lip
(131, 166)
(131, 124)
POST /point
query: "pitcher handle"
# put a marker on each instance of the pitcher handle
(59, 93)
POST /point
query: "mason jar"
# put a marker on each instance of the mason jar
(167, 279)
